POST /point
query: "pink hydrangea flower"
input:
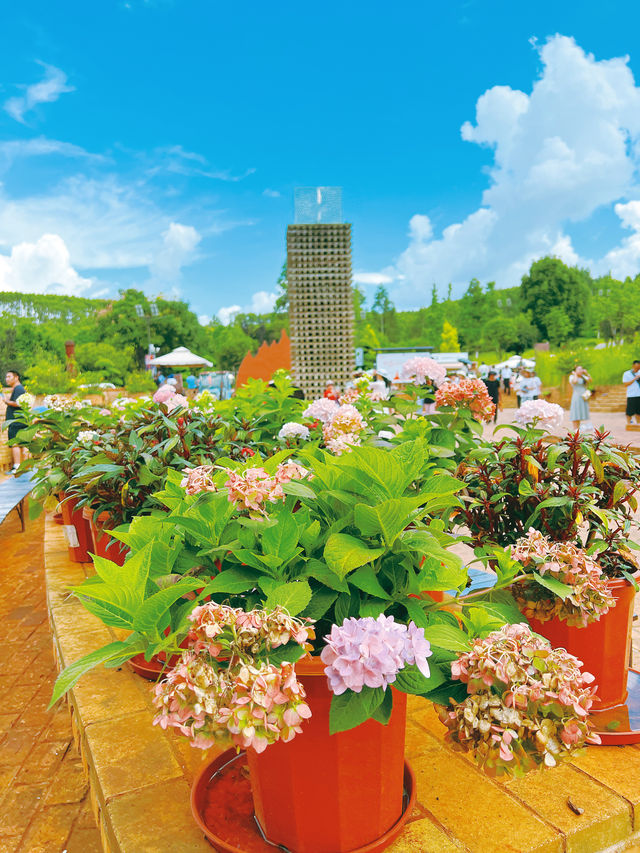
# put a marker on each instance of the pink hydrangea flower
(198, 480)
(293, 430)
(422, 370)
(370, 652)
(254, 487)
(470, 393)
(321, 409)
(164, 393)
(176, 401)
(541, 414)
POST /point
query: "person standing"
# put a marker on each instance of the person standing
(12, 417)
(631, 378)
(528, 386)
(579, 410)
(493, 387)
(505, 374)
(538, 384)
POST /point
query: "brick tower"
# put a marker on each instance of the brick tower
(320, 296)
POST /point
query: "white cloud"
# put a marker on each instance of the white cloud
(175, 159)
(40, 146)
(204, 319)
(372, 278)
(262, 302)
(46, 91)
(41, 267)
(178, 246)
(561, 152)
(271, 193)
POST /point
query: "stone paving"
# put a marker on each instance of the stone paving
(44, 802)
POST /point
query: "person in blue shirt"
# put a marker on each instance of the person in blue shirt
(191, 381)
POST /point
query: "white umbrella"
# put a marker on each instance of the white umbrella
(181, 357)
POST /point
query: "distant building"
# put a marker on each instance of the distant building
(321, 317)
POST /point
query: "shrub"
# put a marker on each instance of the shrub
(138, 381)
(48, 377)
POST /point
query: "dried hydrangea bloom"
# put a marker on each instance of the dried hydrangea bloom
(422, 370)
(590, 596)
(527, 706)
(342, 432)
(541, 414)
(253, 488)
(200, 479)
(470, 393)
(255, 703)
(370, 652)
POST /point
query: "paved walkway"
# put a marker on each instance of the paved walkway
(44, 804)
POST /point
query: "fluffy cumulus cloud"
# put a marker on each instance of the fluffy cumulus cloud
(41, 267)
(560, 152)
(262, 302)
(52, 85)
(376, 278)
(179, 243)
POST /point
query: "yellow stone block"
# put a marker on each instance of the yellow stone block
(475, 810)
(128, 753)
(619, 769)
(72, 616)
(156, 819)
(104, 694)
(606, 819)
(423, 836)
(73, 646)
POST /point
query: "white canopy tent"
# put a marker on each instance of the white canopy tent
(180, 357)
(516, 361)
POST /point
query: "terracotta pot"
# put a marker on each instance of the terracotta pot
(73, 518)
(104, 545)
(602, 646)
(323, 793)
(153, 669)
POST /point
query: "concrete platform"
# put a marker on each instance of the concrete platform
(140, 776)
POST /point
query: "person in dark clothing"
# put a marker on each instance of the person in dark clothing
(12, 417)
(493, 387)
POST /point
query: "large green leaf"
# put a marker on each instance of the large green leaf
(411, 680)
(351, 709)
(149, 615)
(344, 553)
(238, 579)
(72, 673)
(294, 597)
(562, 590)
(281, 539)
(321, 601)
(387, 518)
(322, 573)
(447, 637)
(366, 579)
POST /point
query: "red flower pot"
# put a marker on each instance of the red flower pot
(75, 521)
(602, 646)
(105, 545)
(323, 793)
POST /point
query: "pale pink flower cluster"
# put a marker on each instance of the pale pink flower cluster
(321, 409)
(198, 479)
(590, 597)
(168, 395)
(343, 431)
(121, 403)
(541, 414)
(528, 704)
(293, 430)
(350, 396)
(176, 402)
(255, 703)
(422, 370)
(86, 435)
(251, 488)
(470, 393)
(59, 403)
(370, 652)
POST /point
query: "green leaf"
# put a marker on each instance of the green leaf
(321, 601)
(344, 553)
(281, 539)
(383, 712)
(294, 597)
(562, 590)
(451, 690)
(447, 637)
(323, 574)
(290, 653)
(239, 579)
(72, 673)
(150, 613)
(388, 518)
(525, 489)
(300, 490)
(619, 491)
(351, 709)
(411, 680)
(366, 579)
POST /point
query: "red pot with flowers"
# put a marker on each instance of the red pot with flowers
(104, 545)
(567, 598)
(77, 529)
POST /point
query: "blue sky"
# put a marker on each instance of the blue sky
(157, 143)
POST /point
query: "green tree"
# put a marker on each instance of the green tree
(282, 301)
(551, 284)
(558, 325)
(449, 340)
(383, 307)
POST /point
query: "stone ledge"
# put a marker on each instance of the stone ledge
(140, 776)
